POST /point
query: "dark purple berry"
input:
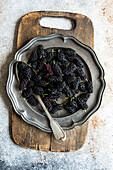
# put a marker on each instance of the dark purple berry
(56, 108)
(69, 93)
(41, 66)
(33, 57)
(70, 58)
(69, 79)
(78, 61)
(49, 57)
(82, 87)
(23, 84)
(38, 90)
(52, 78)
(70, 52)
(60, 78)
(79, 72)
(42, 83)
(27, 93)
(73, 104)
(89, 86)
(48, 105)
(43, 60)
(21, 65)
(54, 91)
(54, 103)
(34, 65)
(70, 108)
(27, 72)
(73, 92)
(59, 93)
(40, 51)
(49, 69)
(85, 96)
(20, 75)
(82, 103)
(30, 84)
(51, 85)
(61, 85)
(36, 78)
(66, 88)
(58, 63)
(75, 84)
(55, 96)
(61, 57)
(57, 70)
(69, 70)
(33, 101)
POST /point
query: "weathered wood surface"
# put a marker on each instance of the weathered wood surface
(26, 135)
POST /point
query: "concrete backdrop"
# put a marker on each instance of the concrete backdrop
(97, 152)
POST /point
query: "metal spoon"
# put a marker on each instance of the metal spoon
(58, 132)
(56, 128)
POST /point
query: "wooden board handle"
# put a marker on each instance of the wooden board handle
(59, 15)
(74, 18)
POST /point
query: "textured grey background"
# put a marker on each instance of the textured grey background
(97, 153)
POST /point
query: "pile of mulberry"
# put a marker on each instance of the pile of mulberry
(51, 73)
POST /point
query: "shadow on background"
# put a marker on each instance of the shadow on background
(4, 77)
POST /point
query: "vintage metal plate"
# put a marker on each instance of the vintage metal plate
(94, 70)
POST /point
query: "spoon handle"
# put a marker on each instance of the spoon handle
(58, 132)
(56, 128)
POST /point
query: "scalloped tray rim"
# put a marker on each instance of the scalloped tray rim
(21, 112)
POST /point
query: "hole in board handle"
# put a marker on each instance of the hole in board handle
(58, 23)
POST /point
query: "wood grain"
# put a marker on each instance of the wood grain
(26, 135)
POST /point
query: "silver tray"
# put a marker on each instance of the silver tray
(93, 68)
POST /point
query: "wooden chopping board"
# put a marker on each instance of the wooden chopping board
(28, 136)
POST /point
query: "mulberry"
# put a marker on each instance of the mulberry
(61, 57)
(40, 50)
(70, 70)
(33, 57)
(27, 72)
(61, 85)
(69, 93)
(49, 57)
(73, 104)
(75, 84)
(82, 87)
(70, 108)
(20, 75)
(23, 84)
(70, 52)
(85, 96)
(89, 86)
(42, 83)
(41, 66)
(34, 65)
(79, 72)
(33, 101)
(48, 105)
(38, 90)
(82, 103)
(69, 79)
(52, 78)
(78, 62)
(49, 69)
(57, 70)
(27, 93)
(56, 108)
(30, 84)
(21, 65)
